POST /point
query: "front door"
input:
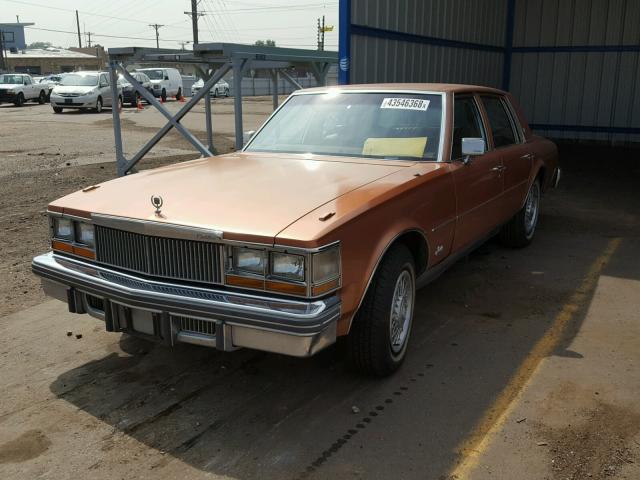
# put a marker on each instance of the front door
(105, 90)
(479, 183)
(517, 157)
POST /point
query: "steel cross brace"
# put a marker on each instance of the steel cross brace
(124, 166)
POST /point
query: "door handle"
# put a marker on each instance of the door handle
(499, 168)
(528, 156)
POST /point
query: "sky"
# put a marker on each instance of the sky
(235, 21)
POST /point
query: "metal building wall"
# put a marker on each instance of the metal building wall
(576, 67)
(416, 41)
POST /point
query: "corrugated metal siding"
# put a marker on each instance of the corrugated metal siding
(578, 88)
(375, 60)
(464, 20)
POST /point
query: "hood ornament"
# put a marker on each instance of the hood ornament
(157, 202)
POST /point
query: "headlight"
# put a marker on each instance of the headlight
(248, 260)
(63, 229)
(290, 267)
(326, 265)
(85, 234)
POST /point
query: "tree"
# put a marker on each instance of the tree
(40, 45)
(265, 43)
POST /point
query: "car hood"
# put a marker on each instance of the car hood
(244, 195)
(73, 89)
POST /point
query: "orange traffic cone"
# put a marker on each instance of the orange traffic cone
(161, 100)
(139, 104)
(182, 100)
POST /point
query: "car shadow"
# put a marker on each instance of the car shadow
(256, 415)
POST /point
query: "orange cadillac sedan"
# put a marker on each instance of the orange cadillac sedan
(343, 204)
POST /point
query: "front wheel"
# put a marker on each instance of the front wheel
(377, 343)
(163, 95)
(19, 100)
(57, 110)
(179, 94)
(519, 231)
(99, 105)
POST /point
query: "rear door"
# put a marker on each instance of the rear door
(479, 182)
(516, 155)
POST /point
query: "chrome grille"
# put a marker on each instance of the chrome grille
(195, 325)
(178, 259)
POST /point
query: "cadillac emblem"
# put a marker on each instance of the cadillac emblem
(156, 201)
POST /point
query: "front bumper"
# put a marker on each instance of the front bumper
(174, 313)
(84, 101)
(7, 97)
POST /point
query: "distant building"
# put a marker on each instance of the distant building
(38, 61)
(13, 35)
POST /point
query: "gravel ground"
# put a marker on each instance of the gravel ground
(99, 405)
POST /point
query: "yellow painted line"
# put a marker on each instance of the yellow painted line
(494, 418)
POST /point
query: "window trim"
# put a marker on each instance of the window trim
(516, 133)
(483, 127)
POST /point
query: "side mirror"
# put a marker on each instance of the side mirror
(472, 147)
(246, 136)
(166, 77)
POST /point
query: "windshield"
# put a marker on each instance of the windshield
(155, 74)
(11, 79)
(398, 126)
(79, 80)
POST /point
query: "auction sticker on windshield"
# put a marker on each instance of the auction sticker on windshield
(405, 103)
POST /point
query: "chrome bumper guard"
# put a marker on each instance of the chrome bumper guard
(175, 313)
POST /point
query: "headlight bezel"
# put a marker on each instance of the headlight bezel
(273, 280)
(74, 242)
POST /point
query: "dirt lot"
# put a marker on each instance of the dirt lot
(523, 363)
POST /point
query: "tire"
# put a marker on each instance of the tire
(19, 100)
(215, 93)
(373, 349)
(134, 101)
(179, 94)
(519, 231)
(163, 95)
(226, 92)
(57, 109)
(98, 108)
(42, 98)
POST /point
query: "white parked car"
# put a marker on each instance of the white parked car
(166, 82)
(84, 90)
(220, 89)
(18, 88)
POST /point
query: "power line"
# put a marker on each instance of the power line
(104, 35)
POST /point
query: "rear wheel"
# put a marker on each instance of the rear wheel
(163, 95)
(135, 99)
(521, 228)
(179, 94)
(42, 98)
(226, 92)
(377, 343)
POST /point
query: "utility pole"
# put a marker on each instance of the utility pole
(194, 18)
(322, 29)
(157, 27)
(78, 24)
(2, 62)
(89, 38)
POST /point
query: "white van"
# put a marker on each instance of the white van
(166, 82)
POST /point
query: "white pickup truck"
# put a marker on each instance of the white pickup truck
(18, 88)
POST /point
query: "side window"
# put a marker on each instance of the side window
(500, 121)
(104, 79)
(26, 80)
(466, 123)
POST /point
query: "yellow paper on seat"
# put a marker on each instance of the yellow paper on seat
(395, 147)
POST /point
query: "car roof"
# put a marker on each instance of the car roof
(426, 87)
